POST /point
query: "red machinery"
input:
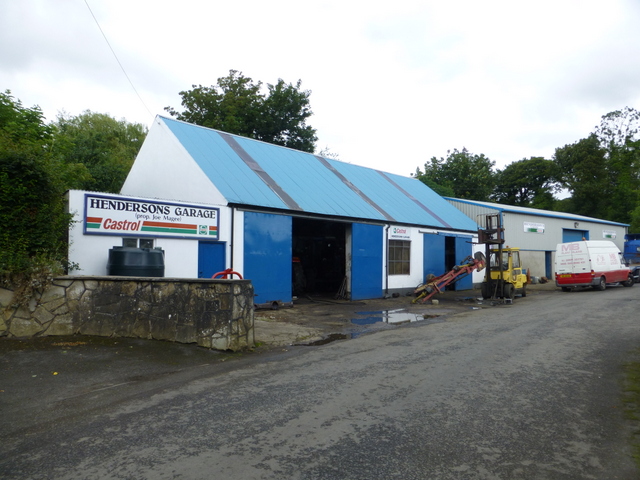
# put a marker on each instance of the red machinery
(435, 285)
(223, 274)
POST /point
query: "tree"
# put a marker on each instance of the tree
(619, 127)
(442, 190)
(634, 226)
(617, 132)
(236, 105)
(33, 222)
(22, 128)
(527, 183)
(106, 147)
(603, 171)
(582, 168)
(465, 174)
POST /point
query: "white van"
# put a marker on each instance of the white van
(590, 263)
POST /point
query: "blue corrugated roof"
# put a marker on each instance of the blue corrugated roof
(253, 173)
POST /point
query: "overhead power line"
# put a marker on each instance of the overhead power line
(116, 57)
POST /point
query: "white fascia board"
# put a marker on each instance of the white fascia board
(164, 169)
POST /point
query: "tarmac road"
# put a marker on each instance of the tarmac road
(524, 391)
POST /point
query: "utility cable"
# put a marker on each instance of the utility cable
(117, 59)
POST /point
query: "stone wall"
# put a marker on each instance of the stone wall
(212, 313)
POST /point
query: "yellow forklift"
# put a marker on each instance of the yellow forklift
(505, 276)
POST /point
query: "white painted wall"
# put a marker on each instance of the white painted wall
(91, 252)
(417, 260)
(238, 241)
(161, 167)
(417, 249)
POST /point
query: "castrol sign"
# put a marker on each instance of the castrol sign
(403, 233)
(125, 216)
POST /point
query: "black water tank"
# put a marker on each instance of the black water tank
(136, 262)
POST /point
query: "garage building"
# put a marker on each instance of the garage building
(537, 232)
(292, 222)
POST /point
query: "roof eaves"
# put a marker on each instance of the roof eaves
(536, 212)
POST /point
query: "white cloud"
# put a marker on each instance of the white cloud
(394, 83)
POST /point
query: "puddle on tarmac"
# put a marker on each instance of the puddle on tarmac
(393, 317)
(323, 341)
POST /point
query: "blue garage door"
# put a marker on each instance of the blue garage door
(433, 255)
(366, 261)
(574, 235)
(267, 256)
(211, 258)
(463, 250)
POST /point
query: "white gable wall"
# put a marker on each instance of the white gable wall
(164, 169)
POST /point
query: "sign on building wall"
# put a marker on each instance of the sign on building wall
(530, 227)
(400, 233)
(611, 234)
(122, 216)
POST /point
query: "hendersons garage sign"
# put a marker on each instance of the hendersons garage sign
(122, 216)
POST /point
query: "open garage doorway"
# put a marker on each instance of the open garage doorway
(318, 256)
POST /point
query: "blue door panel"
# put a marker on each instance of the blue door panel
(267, 256)
(211, 258)
(433, 255)
(463, 250)
(574, 235)
(434, 258)
(366, 261)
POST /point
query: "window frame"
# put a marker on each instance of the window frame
(399, 257)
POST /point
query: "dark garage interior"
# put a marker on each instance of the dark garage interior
(318, 256)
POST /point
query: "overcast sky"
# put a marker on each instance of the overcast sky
(393, 83)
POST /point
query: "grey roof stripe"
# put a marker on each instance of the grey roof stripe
(416, 201)
(355, 189)
(258, 170)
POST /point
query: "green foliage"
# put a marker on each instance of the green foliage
(583, 172)
(635, 220)
(602, 172)
(443, 191)
(527, 183)
(618, 132)
(619, 127)
(22, 128)
(33, 222)
(463, 173)
(99, 149)
(236, 105)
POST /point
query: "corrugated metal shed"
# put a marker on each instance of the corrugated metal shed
(554, 224)
(473, 207)
(251, 173)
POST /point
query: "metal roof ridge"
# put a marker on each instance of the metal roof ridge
(253, 164)
(412, 198)
(266, 143)
(355, 189)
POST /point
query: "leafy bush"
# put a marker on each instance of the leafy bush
(34, 224)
